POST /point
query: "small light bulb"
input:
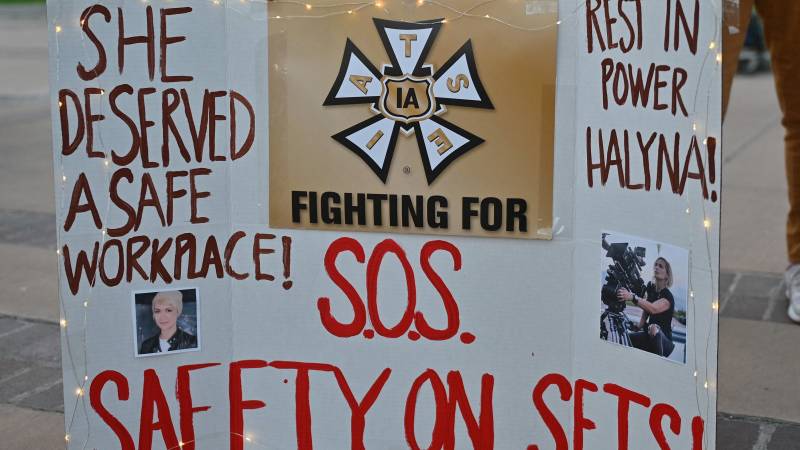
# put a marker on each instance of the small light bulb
(63, 323)
(379, 4)
(444, 20)
(58, 28)
(712, 45)
(707, 223)
(60, 103)
(66, 437)
(308, 6)
(63, 178)
(104, 231)
(79, 392)
(695, 374)
(86, 304)
(694, 126)
(420, 2)
(691, 294)
(705, 385)
(350, 11)
(688, 211)
(558, 22)
(247, 438)
(486, 16)
(719, 57)
(714, 306)
(106, 163)
(58, 251)
(277, 17)
(86, 378)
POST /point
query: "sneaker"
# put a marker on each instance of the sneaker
(791, 279)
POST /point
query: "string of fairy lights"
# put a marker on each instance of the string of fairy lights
(709, 382)
(457, 14)
(453, 14)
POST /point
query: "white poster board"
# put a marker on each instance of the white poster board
(294, 338)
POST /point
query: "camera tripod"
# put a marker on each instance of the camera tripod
(614, 327)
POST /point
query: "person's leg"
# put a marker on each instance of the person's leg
(658, 342)
(639, 340)
(781, 28)
(731, 47)
(654, 340)
(665, 345)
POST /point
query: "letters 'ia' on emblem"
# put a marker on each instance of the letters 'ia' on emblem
(408, 96)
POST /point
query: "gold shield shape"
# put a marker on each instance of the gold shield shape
(407, 99)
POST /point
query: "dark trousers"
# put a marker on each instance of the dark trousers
(659, 344)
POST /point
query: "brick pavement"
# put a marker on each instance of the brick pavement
(30, 364)
(753, 296)
(30, 228)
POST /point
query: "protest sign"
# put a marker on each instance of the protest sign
(380, 224)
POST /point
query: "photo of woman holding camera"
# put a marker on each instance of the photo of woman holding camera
(658, 307)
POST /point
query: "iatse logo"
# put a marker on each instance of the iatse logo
(408, 96)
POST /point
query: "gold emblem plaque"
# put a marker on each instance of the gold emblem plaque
(412, 117)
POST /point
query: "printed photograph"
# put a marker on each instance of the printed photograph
(643, 300)
(166, 321)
